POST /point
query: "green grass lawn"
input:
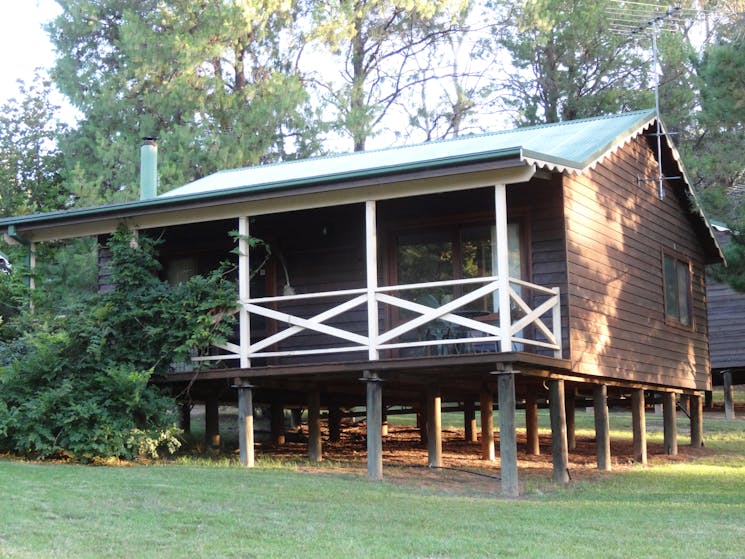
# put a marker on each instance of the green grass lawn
(192, 509)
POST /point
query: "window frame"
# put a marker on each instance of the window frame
(454, 226)
(682, 264)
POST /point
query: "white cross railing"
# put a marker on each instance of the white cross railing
(463, 333)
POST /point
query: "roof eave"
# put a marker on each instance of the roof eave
(502, 158)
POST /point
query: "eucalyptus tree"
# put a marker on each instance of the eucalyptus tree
(374, 49)
(719, 155)
(216, 82)
(454, 93)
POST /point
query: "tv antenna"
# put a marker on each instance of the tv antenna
(632, 19)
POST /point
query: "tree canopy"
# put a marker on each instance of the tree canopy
(376, 44)
(30, 179)
(567, 62)
(239, 82)
(216, 82)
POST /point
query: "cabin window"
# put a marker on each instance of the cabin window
(677, 273)
(456, 252)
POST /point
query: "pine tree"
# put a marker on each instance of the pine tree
(216, 82)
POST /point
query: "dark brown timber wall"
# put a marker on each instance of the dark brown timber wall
(617, 232)
(726, 321)
(540, 201)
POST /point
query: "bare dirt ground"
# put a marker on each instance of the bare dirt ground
(405, 459)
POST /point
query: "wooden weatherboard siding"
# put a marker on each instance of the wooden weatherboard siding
(541, 199)
(617, 232)
(726, 326)
(726, 309)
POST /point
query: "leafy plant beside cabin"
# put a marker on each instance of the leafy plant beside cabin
(75, 383)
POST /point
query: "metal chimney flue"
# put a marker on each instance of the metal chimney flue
(148, 168)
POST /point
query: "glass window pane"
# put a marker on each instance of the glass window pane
(683, 291)
(478, 257)
(181, 270)
(671, 290)
(513, 242)
(425, 257)
(476, 252)
(677, 289)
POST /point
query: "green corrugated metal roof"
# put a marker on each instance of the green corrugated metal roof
(565, 146)
(562, 146)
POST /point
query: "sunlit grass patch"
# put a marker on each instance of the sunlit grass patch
(210, 506)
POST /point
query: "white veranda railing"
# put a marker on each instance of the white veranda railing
(450, 326)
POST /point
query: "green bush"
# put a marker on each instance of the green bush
(76, 384)
(13, 290)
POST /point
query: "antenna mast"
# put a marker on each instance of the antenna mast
(629, 20)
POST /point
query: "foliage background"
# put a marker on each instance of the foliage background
(74, 377)
(243, 82)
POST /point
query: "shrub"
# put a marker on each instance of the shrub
(76, 384)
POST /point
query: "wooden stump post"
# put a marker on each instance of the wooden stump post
(639, 425)
(421, 421)
(696, 405)
(277, 421)
(186, 417)
(469, 421)
(559, 446)
(602, 427)
(569, 404)
(434, 427)
(374, 426)
(487, 425)
(729, 402)
(314, 426)
(669, 418)
(507, 434)
(296, 417)
(212, 422)
(334, 423)
(245, 424)
(531, 424)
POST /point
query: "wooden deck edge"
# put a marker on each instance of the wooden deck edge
(525, 363)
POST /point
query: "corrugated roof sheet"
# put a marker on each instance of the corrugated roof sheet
(571, 146)
(566, 146)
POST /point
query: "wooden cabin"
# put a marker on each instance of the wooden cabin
(726, 308)
(553, 264)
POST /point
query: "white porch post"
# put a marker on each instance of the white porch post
(503, 267)
(371, 248)
(556, 319)
(31, 278)
(31, 266)
(244, 290)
